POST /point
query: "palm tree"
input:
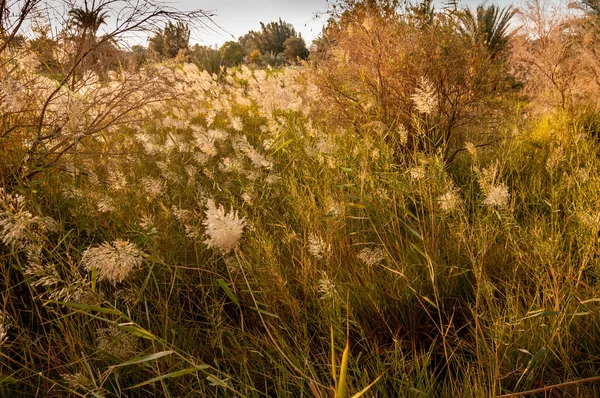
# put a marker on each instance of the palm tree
(489, 24)
(87, 21)
(88, 51)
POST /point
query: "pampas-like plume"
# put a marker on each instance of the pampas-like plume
(224, 230)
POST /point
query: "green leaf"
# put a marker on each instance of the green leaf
(413, 231)
(146, 358)
(7, 379)
(367, 388)
(429, 301)
(543, 313)
(341, 390)
(137, 332)
(535, 358)
(228, 291)
(265, 312)
(216, 381)
(333, 365)
(172, 375)
(280, 147)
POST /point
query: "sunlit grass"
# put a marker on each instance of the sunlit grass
(339, 262)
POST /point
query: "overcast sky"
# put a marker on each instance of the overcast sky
(237, 17)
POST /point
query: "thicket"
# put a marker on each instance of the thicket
(412, 212)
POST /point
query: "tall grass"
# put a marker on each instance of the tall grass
(420, 277)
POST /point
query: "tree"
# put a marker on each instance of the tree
(86, 21)
(271, 38)
(206, 58)
(374, 64)
(255, 57)
(171, 39)
(231, 54)
(274, 35)
(272, 59)
(295, 48)
(488, 25)
(12, 18)
(49, 142)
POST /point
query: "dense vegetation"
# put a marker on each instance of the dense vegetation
(413, 211)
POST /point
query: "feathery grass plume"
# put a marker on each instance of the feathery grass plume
(3, 328)
(14, 225)
(182, 215)
(206, 141)
(147, 224)
(424, 97)
(583, 174)
(116, 179)
(224, 230)
(450, 200)
(472, 149)
(192, 231)
(556, 157)
(317, 246)
(191, 171)
(272, 179)
(370, 256)
(248, 197)
(113, 261)
(231, 165)
(17, 225)
(417, 173)
(497, 196)
(153, 187)
(237, 123)
(117, 342)
(77, 380)
(334, 208)
(589, 221)
(128, 295)
(402, 134)
(258, 160)
(327, 288)
(105, 205)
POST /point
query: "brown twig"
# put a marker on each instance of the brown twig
(548, 388)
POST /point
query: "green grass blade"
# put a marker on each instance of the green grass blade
(137, 332)
(172, 375)
(333, 364)
(341, 390)
(367, 388)
(146, 358)
(228, 291)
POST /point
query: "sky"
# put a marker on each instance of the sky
(237, 17)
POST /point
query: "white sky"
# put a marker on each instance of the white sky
(238, 17)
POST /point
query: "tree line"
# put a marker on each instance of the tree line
(275, 44)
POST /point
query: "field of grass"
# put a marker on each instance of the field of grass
(230, 236)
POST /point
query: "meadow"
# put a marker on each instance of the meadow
(412, 212)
